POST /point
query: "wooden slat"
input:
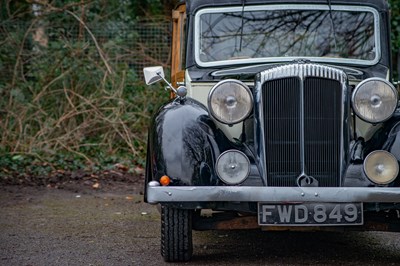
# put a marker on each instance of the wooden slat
(178, 18)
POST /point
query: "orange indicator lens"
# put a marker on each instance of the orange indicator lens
(165, 180)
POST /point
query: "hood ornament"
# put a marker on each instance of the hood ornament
(307, 181)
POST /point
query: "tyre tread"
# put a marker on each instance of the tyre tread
(176, 234)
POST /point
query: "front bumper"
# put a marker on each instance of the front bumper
(170, 194)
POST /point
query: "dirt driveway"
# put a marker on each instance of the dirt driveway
(47, 226)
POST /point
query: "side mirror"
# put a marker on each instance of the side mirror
(156, 73)
(153, 74)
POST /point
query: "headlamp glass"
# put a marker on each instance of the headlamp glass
(230, 101)
(233, 167)
(381, 167)
(374, 100)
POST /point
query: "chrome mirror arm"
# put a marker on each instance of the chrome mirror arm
(166, 81)
(180, 92)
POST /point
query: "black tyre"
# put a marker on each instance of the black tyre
(176, 234)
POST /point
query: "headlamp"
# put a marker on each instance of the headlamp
(232, 167)
(230, 101)
(381, 167)
(374, 100)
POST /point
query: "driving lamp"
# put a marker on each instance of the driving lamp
(374, 100)
(233, 167)
(230, 101)
(381, 167)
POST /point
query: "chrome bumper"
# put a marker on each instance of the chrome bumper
(158, 194)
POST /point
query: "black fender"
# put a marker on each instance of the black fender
(388, 138)
(392, 143)
(183, 144)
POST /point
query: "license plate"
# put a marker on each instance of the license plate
(310, 214)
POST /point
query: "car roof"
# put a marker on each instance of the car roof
(193, 5)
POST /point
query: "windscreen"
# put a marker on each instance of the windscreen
(236, 34)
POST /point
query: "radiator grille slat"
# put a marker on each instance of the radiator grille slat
(322, 108)
(322, 113)
(282, 127)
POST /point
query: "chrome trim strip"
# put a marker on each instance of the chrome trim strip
(236, 70)
(272, 194)
(259, 129)
(302, 137)
(286, 59)
(303, 70)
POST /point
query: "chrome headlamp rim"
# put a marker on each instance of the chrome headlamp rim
(224, 179)
(353, 99)
(244, 86)
(386, 153)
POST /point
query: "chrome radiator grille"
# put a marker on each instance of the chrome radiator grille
(302, 117)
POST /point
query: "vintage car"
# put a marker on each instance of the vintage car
(283, 117)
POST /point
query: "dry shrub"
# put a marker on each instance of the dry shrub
(72, 94)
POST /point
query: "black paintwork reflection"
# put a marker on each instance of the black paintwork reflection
(180, 144)
(184, 144)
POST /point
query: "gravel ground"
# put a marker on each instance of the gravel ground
(112, 226)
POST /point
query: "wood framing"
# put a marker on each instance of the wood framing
(178, 44)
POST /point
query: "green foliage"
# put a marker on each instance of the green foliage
(70, 98)
(395, 26)
(395, 21)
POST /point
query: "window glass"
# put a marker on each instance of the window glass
(286, 33)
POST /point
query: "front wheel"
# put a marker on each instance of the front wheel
(176, 234)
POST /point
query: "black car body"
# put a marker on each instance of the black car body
(290, 121)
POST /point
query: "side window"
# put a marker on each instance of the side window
(178, 44)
